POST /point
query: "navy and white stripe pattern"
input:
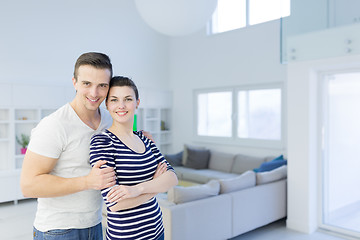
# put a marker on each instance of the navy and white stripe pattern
(144, 221)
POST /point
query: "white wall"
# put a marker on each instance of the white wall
(244, 56)
(41, 40)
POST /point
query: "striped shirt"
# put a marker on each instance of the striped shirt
(131, 168)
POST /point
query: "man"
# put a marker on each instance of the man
(56, 167)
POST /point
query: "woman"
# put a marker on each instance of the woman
(133, 212)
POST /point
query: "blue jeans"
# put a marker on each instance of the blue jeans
(93, 233)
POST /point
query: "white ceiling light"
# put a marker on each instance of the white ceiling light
(176, 17)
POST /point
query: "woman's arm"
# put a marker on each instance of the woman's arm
(131, 202)
(136, 201)
(160, 184)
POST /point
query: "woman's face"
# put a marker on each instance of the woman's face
(122, 104)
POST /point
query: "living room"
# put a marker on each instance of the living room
(41, 41)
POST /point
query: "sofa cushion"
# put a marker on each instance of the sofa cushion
(174, 159)
(195, 176)
(271, 176)
(179, 194)
(243, 163)
(179, 171)
(185, 152)
(204, 175)
(197, 158)
(245, 180)
(268, 166)
(161, 198)
(221, 161)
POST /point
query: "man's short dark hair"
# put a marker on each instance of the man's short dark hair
(94, 59)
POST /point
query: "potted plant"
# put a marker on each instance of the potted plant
(24, 142)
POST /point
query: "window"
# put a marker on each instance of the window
(214, 114)
(259, 114)
(229, 15)
(234, 14)
(247, 116)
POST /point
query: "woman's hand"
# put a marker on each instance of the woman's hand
(121, 192)
(161, 168)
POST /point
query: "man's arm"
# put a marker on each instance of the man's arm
(37, 182)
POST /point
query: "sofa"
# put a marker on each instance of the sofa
(232, 194)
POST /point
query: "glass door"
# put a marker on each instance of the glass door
(340, 153)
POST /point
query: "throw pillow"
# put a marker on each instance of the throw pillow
(179, 194)
(174, 159)
(279, 158)
(271, 176)
(245, 180)
(185, 152)
(268, 166)
(197, 159)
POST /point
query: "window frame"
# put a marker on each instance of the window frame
(196, 92)
(210, 25)
(234, 139)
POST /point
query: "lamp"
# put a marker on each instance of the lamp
(176, 17)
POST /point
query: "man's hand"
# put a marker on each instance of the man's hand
(100, 178)
(148, 135)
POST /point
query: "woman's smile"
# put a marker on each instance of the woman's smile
(121, 113)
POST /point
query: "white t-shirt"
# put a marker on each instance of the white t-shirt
(64, 136)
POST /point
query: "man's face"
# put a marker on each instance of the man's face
(92, 85)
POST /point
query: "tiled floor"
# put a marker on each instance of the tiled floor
(347, 217)
(278, 231)
(16, 220)
(16, 224)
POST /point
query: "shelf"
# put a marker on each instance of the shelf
(20, 117)
(19, 160)
(152, 119)
(4, 131)
(26, 115)
(25, 121)
(165, 131)
(4, 115)
(5, 164)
